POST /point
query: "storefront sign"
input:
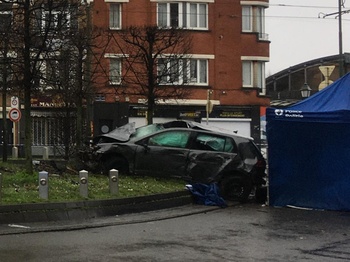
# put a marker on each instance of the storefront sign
(193, 114)
(232, 114)
(48, 102)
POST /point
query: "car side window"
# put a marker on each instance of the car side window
(213, 143)
(248, 150)
(170, 139)
(229, 145)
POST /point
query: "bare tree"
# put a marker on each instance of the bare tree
(52, 41)
(156, 61)
(41, 27)
(71, 79)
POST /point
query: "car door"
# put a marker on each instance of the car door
(209, 155)
(163, 154)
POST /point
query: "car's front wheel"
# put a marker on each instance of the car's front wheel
(235, 188)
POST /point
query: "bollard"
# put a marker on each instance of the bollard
(83, 181)
(45, 153)
(15, 152)
(114, 181)
(44, 185)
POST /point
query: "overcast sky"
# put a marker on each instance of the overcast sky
(298, 35)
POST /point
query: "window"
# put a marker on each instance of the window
(248, 150)
(260, 22)
(52, 71)
(114, 71)
(247, 73)
(253, 75)
(100, 98)
(198, 15)
(114, 16)
(213, 143)
(183, 15)
(253, 20)
(5, 20)
(54, 20)
(247, 19)
(170, 71)
(47, 131)
(183, 71)
(5, 70)
(170, 139)
(229, 145)
(198, 71)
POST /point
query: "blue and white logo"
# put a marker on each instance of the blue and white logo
(279, 112)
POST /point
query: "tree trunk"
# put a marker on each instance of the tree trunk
(27, 84)
(79, 136)
(150, 111)
(28, 130)
(4, 123)
(4, 100)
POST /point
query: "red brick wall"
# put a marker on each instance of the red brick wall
(224, 40)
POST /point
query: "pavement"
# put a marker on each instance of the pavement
(41, 217)
(81, 223)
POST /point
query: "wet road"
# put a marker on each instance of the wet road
(238, 233)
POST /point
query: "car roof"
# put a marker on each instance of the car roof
(207, 131)
(125, 132)
(216, 129)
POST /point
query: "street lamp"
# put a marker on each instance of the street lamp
(305, 90)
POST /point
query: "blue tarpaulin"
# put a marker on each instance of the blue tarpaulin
(309, 150)
(207, 194)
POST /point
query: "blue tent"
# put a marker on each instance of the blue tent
(309, 150)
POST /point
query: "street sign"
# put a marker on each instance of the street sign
(15, 114)
(14, 102)
(326, 72)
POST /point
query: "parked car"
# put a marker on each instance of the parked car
(183, 149)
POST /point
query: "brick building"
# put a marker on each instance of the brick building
(229, 52)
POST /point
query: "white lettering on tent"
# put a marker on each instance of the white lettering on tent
(289, 113)
(294, 115)
(293, 112)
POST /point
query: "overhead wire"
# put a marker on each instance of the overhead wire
(306, 6)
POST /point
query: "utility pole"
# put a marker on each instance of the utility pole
(341, 63)
(340, 37)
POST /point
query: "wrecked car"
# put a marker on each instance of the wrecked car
(183, 149)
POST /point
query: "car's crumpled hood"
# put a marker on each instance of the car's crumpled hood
(121, 134)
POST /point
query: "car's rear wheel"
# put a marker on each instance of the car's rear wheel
(114, 162)
(235, 188)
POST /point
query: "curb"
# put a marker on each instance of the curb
(46, 212)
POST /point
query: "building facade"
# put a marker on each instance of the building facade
(229, 50)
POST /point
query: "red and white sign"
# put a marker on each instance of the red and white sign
(15, 114)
